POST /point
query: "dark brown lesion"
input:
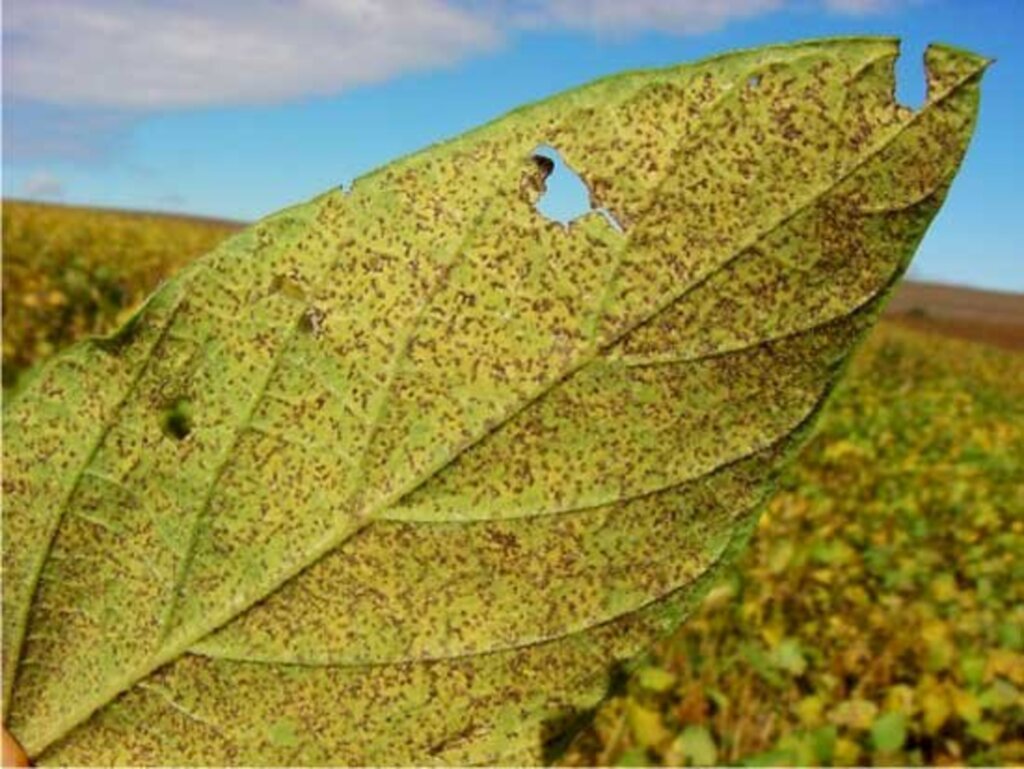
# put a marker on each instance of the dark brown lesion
(533, 184)
(545, 164)
(451, 741)
(312, 321)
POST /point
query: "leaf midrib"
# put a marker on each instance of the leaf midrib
(540, 640)
(787, 446)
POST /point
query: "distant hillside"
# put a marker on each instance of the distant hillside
(71, 271)
(73, 210)
(995, 317)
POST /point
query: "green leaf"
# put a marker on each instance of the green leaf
(655, 680)
(889, 732)
(801, 747)
(985, 731)
(773, 757)
(762, 664)
(967, 705)
(697, 746)
(789, 656)
(857, 714)
(1001, 694)
(972, 668)
(634, 757)
(823, 740)
(403, 474)
(646, 725)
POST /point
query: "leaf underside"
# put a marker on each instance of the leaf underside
(398, 475)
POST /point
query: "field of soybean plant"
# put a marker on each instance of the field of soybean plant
(878, 615)
(70, 272)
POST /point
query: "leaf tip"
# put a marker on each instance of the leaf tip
(947, 66)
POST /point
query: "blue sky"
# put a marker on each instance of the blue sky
(236, 108)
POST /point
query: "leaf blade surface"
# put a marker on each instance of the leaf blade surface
(426, 370)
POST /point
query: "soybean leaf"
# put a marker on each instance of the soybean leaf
(398, 475)
(698, 746)
(889, 731)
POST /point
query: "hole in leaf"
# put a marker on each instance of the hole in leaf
(911, 79)
(177, 420)
(312, 321)
(753, 81)
(566, 196)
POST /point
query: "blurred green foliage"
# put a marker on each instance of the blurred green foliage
(70, 272)
(878, 615)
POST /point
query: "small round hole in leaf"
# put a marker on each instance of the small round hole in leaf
(312, 321)
(177, 420)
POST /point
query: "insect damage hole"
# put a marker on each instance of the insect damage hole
(312, 322)
(565, 197)
(911, 76)
(176, 421)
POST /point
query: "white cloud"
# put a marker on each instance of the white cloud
(137, 56)
(42, 184)
(861, 7)
(185, 53)
(79, 73)
(622, 17)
